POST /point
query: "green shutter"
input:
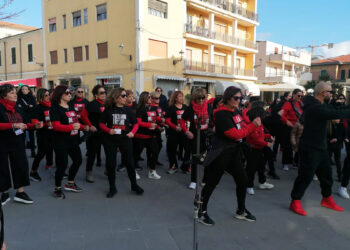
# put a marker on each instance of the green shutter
(30, 52)
(13, 54)
(342, 74)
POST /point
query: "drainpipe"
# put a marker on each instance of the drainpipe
(5, 61)
(20, 57)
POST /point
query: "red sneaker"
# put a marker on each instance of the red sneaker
(296, 207)
(47, 167)
(330, 203)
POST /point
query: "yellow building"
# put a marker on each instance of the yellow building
(142, 44)
(21, 58)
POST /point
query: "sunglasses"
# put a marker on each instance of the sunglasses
(299, 96)
(123, 96)
(341, 98)
(155, 98)
(102, 93)
(68, 92)
(46, 95)
(201, 98)
(80, 92)
(236, 98)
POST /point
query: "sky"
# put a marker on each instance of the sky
(293, 23)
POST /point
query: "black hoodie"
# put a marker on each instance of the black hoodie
(316, 116)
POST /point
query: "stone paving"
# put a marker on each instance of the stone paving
(161, 219)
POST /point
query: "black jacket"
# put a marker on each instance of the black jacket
(316, 116)
(23, 103)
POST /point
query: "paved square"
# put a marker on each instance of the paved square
(161, 219)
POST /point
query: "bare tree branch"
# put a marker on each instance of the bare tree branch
(8, 15)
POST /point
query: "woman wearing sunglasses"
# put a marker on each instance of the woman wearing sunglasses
(146, 136)
(66, 128)
(116, 121)
(198, 109)
(44, 135)
(226, 154)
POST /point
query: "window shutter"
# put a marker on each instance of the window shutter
(87, 55)
(30, 52)
(53, 56)
(78, 54)
(102, 50)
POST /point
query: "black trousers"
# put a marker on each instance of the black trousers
(268, 157)
(1, 226)
(125, 147)
(16, 162)
(336, 151)
(93, 145)
(313, 162)
(346, 167)
(61, 155)
(287, 151)
(255, 163)
(45, 148)
(31, 139)
(230, 161)
(152, 148)
(175, 140)
(276, 146)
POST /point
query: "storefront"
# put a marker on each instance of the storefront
(110, 82)
(169, 84)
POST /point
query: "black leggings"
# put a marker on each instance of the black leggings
(152, 148)
(93, 145)
(230, 161)
(337, 155)
(61, 154)
(45, 148)
(346, 168)
(287, 151)
(125, 147)
(268, 156)
(256, 163)
(175, 140)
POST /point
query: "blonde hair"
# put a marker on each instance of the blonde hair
(154, 94)
(197, 93)
(321, 86)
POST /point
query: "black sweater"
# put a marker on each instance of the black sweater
(316, 116)
(95, 110)
(42, 113)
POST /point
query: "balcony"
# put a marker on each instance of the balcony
(206, 33)
(303, 59)
(217, 69)
(286, 77)
(233, 8)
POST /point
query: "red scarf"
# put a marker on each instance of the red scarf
(78, 99)
(154, 105)
(46, 104)
(201, 110)
(100, 101)
(9, 105)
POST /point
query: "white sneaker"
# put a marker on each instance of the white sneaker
(152, 174)
(192, 185)
(285, 167)
(266, 186)
(250, 191)
(343, 192)
(137, 176)
(315, 178)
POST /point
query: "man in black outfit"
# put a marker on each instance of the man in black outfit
(314, 158)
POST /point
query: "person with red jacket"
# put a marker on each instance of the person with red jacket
(255, 158)
(227, 154)
(290, 114)
(13, 164)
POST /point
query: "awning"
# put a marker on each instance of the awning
(202, 80)
(246, 88)
(250, 89)
(34, 82)
(280, 87)
(170, 78)
(221, 86)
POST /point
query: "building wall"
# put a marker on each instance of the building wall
(332, 71)
(23, 69)
(11, 29)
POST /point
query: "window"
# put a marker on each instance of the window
(87, 56)
(52, 24)
(85, 16)
(30, 52)
(101, 12)
(348, 73)
(76, 18)
(342, 74)
(157, 48)
(53, 57)
(64, 22)
(65, 52)
(78, 54)
(158, 8)
(13, 55)
(324, 72)
(102, 50)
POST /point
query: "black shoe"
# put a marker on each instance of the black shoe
(274, 176)
(245, 215)
(5, 197)
(112, 192)
(121, 168)
(158, 163)
(98, 164)
(137, 189)
(59, 194)
(34, 176)
(205, 219)
(22, 197)
(72, 187)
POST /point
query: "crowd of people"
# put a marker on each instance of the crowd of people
(233, 134)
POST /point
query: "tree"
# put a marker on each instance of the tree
(5, 15)
(310, 85)
(325, 77)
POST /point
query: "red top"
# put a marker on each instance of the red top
(245, 117)
(289, 113)
(257, 138)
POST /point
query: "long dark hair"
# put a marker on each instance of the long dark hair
(5, 89)
(21, 95)
(229, 93)
(57, 94)
(173, 97)
(40, 95)
(112, 96)
(143, 100)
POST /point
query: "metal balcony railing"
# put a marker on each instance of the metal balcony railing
(205, 32)
(232, 7)
(217, 69)
(280, 74)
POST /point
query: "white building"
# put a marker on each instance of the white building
(280, 68)
(11, 29)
